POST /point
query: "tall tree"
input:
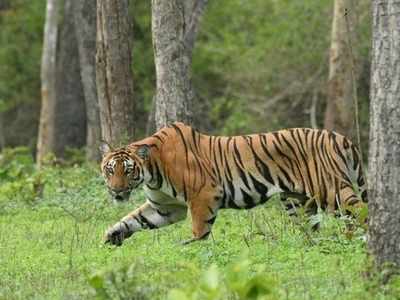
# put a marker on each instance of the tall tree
(48, 79)
(63, 117)
(113, 70)
(339, 114)
(384, 155)
(69, 111)
(85, 29)
(174, 25)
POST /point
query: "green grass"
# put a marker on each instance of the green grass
(51, 248)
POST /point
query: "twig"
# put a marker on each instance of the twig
(194, 24)
(353, 79)
(313, 110)
(246, 241)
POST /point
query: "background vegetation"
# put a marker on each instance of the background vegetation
(257, 66)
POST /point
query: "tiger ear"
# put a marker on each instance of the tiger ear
(105, 148)
(143, 152)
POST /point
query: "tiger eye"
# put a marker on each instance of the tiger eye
(109, 170)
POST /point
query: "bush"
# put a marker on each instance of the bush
(19, 180)
(240, 280)
(120, 284)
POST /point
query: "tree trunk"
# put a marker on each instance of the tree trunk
(339, 114)
(151, 119)
(194, 10)
(85, 28)
(174, 25)
(384, 155)
(113, 71)
(70, 114)
(2, 135)
(174, 88)
(48, 79)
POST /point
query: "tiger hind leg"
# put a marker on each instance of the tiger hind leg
(294, 202)
(348, 201)
(204, 213)
(301, 207)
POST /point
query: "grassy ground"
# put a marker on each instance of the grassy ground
(51, 248)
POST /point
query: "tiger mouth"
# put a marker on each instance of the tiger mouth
(120, 196)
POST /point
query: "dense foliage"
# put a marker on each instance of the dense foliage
(257, 65)
(21, 44)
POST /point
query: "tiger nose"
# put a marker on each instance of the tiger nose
(118, 190)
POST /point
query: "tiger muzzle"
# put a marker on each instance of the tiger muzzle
(120, 195)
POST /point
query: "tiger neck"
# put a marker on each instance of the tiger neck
(153, 174)
(153, 177)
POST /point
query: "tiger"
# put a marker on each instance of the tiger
(182, 170)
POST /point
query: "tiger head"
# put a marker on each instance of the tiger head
(122, 169)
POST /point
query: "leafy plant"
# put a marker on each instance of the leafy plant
(240, 280)
(121, 283)
(19, 179)
(15, 163)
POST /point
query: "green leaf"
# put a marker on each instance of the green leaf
(211, 277)
(97, 282)
(177, 295)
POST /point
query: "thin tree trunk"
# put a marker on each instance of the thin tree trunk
(2, 135)
(339, 114)
(70, 113)
(113, 71)
(45, 142)
(85, 28)
(384, 155)
(151, 120)
(194, 10)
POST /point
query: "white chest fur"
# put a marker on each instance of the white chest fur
(162, 198)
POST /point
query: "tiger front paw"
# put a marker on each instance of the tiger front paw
(116, 235)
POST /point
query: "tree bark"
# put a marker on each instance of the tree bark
(174, 88)
(85, 28)
(48, 89)
(384, 153)
(70, 113)
(113, 71)
(174, 26)
(183, 19)
(151, 119)
(339, 114)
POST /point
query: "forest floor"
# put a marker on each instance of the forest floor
(51, 248)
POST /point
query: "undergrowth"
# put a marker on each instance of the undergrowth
(52, 222)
